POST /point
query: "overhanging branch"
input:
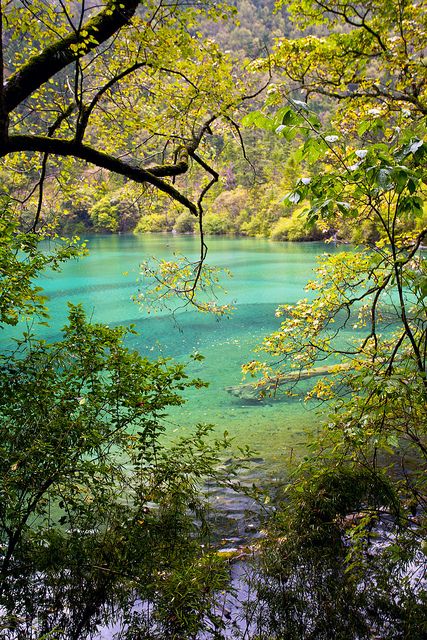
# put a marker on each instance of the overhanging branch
(152, 175)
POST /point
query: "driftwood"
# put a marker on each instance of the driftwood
(267, 386)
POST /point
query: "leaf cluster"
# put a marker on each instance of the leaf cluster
(96, 513)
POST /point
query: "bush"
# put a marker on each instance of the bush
(153, 223)
(185, 223)
(104, 215)
(365, 233)
(294, 229)
(258, 226)
(97, 514)
(216, 224)
(319, 578)
(230, 204)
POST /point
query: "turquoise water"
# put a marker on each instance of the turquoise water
(265, 274)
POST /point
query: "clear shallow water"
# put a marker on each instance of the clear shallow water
(265, 274)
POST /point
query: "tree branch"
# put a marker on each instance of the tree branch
(87, 110)
(41, 67)
(151, 175)
(3, 112)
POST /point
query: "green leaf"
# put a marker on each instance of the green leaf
(259, 120)
(363, 127)
(393, 441)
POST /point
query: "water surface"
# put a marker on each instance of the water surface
(265, 274)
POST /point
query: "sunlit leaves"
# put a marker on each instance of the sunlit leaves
(23, 257)
(362, 171)
(91, 491)
(144, 92)
(378, 180)
(373, 56)
(174, 284)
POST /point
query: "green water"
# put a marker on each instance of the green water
(265, 274)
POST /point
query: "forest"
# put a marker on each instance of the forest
(253, 121)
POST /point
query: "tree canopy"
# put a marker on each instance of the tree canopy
(129, 87)
(368, 54)
(353, 103)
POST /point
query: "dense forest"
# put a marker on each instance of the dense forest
(292, 121)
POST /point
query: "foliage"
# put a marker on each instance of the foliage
(333, 566)
(344, 547)
(98, 516)
(216, 224)
(105, 215)
(21, 261)
(294, 228)
(230, 204)
(153, 223)
(255, 28)
(184, 223)
(96, 512)
(363, 79)
(366, 312)
(163, 282)
(126, 87)
(371, 58)
(383, 184)
(143, 130)
(117, 210)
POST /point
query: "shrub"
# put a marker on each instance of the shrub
(185, 223)
(104, 215)
(153, 223)
(258, 226)
(230, 203)
(216, 224)
(294, 229)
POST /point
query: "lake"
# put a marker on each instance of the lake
(265, 274)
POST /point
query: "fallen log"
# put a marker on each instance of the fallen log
(267, 386)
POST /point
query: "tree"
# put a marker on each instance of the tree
(97, 515)
(365, 317)
(374, 56)
(21, 262)
(128, 87)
